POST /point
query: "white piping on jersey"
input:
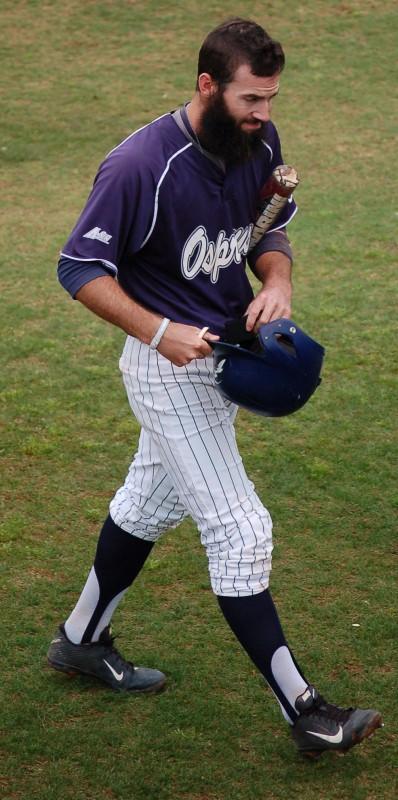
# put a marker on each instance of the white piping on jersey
(163, 175)
(101, 261)
(137, 131)
(268, 147)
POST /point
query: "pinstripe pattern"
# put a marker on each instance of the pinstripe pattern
(188, 464)
(147, 504)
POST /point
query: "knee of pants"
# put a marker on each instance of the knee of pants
(146, 521)
(240, 570)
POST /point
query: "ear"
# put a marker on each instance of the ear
(206, 85)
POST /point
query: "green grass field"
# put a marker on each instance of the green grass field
(76, 78)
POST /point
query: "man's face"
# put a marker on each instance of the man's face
(248, 98)
(231, 124)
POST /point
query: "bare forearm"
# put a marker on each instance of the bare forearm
(274, 270)
(104, 297)
(180, 343)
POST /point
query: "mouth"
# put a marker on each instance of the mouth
(252, 125)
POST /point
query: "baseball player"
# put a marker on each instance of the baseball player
(160, 250)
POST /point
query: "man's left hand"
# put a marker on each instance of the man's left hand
(270, 303)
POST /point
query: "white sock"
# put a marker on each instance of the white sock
(287, 677)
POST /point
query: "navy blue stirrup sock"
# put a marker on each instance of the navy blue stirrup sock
(255, 623)
(119, 558)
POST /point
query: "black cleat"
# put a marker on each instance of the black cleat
(322, 726)
(102, 660)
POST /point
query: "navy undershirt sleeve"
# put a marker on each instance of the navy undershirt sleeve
(73, 274)
(275, 240)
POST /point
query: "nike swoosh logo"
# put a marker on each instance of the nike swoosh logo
(54, 641)
(336, 739)
(117, 675)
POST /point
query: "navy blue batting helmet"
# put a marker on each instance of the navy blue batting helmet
(272, 373)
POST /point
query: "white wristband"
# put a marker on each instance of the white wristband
(159, 333)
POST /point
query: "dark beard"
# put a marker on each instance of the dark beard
(221, 135)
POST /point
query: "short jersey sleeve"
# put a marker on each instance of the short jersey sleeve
(117, 214)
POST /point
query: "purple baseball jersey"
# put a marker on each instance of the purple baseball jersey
(174, 225)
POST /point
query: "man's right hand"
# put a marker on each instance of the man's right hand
(182, 344)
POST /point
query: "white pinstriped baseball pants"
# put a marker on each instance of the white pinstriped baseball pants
(188, 463)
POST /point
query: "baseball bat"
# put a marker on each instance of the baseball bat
(278, 189)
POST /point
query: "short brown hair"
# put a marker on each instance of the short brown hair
(236, 42)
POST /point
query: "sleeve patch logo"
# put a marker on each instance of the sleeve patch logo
(201, 255)
(97, 233)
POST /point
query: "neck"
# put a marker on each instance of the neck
(194, 111)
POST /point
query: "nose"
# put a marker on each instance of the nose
(263, 112)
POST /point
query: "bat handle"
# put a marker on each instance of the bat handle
(267, 218)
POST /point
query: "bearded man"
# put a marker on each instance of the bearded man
(160, 250)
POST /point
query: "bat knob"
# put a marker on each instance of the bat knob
(286, 178)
